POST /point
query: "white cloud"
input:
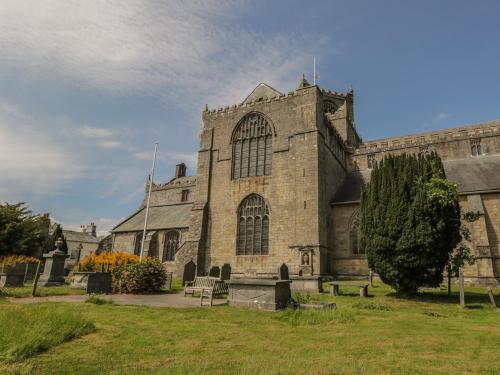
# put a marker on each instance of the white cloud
(174, 49)
(441, 117)
(175, 157)
(90, 132)
(31, 160)
(110, 144)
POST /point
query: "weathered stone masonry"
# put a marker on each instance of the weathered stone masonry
(301, 155)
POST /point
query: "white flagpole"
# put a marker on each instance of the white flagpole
(314, 71)
(151, 176)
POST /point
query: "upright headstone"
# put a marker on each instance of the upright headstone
(214, 271)
(283, 272)
(225, 272)
(189, 272)
(53, 273)
(461, 286)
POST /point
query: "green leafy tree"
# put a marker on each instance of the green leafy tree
(21, 232)
(462, 255)
(410, 221)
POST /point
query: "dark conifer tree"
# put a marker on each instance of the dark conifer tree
(410, 221)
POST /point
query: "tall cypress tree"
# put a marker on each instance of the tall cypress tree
(410, 221)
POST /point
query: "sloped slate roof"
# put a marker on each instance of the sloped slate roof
(75, 236)
(159, 217)
(473, 175)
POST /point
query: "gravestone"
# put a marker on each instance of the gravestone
(283, 272)
(53, 273)
(214, 271)
(225, 272)
(189, 272)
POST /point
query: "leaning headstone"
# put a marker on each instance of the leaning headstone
(283, 272)
(53, 273)
(492, 297)
(461, 287)
(225, 273)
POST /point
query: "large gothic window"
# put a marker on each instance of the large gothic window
(253, 226)
(170, 246)
(252, 147)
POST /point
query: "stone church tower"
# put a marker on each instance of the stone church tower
(267, 170)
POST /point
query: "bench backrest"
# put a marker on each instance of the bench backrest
(204, 281)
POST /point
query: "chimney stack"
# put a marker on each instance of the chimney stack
(180, 170)
(83, 228)
(93, 230)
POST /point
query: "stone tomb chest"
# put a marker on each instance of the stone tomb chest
(266, 294)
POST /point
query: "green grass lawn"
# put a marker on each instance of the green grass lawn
(41, 291)
(381, 334)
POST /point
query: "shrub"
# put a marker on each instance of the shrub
(18, 259)
(149, 276)
(111, 259)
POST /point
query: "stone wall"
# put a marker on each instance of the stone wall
(291, 191)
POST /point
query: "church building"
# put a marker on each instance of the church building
(279, 180)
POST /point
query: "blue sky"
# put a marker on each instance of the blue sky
(86, 87)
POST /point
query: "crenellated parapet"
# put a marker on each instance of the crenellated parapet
(488, 129)
(253, 103)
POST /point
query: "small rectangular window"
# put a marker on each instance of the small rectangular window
(475, 147)
(184, 195)
(371, 161)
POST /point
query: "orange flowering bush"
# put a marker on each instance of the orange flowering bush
(18, 259)
(93, 262)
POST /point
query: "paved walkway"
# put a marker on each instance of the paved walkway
(153, 300)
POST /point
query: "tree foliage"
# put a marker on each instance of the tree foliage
(410, 221)
(21, 232)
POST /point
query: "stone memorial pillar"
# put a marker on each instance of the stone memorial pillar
(53, 273)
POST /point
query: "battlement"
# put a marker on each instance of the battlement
(487, 129)
(175, 183)
(275, 98)
(250, 104)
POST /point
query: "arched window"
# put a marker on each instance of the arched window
(253, 226)
(170, 246)
(153, 246)
(475, 147)
(138, 244)
(330, 107)
(252, 147)
(354, 237)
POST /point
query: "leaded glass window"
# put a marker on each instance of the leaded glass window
(371, 161)
(330, 107)
(252, 147)
(475, 147)
(253, 226)
(171, 245)
(138, 243)
(354, 239)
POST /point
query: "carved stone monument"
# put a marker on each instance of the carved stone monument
(53, 273)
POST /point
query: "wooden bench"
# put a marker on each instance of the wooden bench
(207, 286)
(363, 287)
